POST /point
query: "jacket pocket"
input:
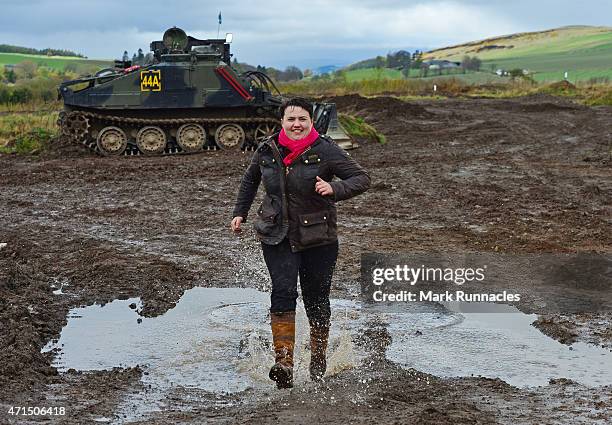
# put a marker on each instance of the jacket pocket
(269, 173)
(314, 228)
(310, 172)
(268, 216)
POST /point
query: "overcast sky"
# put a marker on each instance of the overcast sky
(280, 32)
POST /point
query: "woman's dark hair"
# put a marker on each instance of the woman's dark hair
(296, 101)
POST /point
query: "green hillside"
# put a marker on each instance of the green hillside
(55, 62)
(371, 74)
(584, 52)
(391, 74)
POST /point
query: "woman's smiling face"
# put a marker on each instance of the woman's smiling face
(296, 122)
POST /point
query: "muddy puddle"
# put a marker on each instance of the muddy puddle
(216, 339)
(217, 342)
(500, 344)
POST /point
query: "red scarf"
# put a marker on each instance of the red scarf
(296, 147)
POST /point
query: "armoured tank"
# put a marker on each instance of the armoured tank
(187, 98)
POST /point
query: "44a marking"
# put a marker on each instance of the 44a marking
(150, 80)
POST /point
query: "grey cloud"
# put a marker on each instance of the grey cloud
(281, 33)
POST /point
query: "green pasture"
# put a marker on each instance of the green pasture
(596, 61)
(469, 78)
(541, 72)
(574, 76)
(55, 62)
(483, 77)
(585, 52)
(372, 74)
(562, 40)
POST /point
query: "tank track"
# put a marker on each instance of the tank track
(172, 148)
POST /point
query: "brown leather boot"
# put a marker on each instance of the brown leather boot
(319, 335)
(283, 336)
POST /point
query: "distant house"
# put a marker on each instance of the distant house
(442, 64)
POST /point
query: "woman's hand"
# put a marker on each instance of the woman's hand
(323, 188)
(235, 225)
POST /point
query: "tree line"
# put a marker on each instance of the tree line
(7, 48)
(291, 73)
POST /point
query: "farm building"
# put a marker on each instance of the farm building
(442, 64)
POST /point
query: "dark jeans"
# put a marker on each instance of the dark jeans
(315, 267)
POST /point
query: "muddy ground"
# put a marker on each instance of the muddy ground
(527, 175)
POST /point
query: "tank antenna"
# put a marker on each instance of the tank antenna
(219, 26)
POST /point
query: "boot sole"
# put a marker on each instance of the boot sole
(282, 375)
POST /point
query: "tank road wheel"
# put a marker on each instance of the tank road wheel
(111, 141)
(229, 136)
(151, 140)
(191, 137)
(75, 125)
(265, 130)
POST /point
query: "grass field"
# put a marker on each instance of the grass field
(584, 52)
(470, 78)
(371, 74)
(55, 62)
(393, 74)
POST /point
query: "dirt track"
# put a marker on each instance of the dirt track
(513, 176)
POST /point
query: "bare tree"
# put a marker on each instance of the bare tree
(28, 68)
